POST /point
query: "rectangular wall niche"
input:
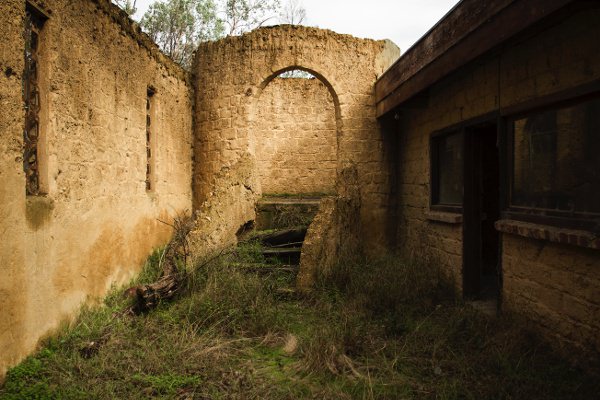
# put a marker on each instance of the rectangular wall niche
(150, 139)
(31, 94)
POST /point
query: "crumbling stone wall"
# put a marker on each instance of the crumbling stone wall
(231, 201)
(556, 285)
(97, 223)
(231, 76)
(295, 137)
(334, 235)
(13, 285)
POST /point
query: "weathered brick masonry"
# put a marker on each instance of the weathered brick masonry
(96, 222)
(295, 137)
(232, 75)
(556, 285)
(118, 151)
(115, 147)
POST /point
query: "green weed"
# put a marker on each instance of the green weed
(165, 384)
(385, 329)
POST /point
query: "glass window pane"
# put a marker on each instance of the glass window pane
(449, 165)
(556, 163)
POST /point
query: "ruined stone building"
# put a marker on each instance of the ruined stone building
(476, 150)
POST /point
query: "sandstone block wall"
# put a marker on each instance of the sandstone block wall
(334, 235)
(295, 137)
(97, 223)
(232, 75)
(556, 285)
(13, 305)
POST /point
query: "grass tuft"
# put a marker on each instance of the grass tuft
(385, 329)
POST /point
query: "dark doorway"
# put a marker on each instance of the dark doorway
(481, 209)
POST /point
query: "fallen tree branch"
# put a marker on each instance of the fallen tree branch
(172, 264)
(150, 296)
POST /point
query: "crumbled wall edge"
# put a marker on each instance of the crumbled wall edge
(334, 236)
(134, 30)
(383, 44)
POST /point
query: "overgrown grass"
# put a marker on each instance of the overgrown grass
(374, 330)
(290, 216)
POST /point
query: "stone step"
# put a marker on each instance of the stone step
(267, 269)
(288, 255)
(281, 238)
(269, 200)
(285, 212)
(286, 293)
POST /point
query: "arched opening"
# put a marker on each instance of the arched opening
(294, 132)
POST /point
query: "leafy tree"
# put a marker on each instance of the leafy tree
(177, 26)
(292, 13)
(129, 6)
(245, 15)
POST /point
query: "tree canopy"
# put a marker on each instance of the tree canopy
(242, 16)
(178, 26)
(129, 6)
(292, 12)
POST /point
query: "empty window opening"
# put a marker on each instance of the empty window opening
(150, 133)
(297, 73)
(295, 135)
(31, 94)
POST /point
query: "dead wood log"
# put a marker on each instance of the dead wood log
(150, 296)
(172, 264)
(281, 251)
(283, 237)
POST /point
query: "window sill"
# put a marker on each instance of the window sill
(552, 234)
(445, 217)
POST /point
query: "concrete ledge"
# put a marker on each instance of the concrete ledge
(549, 233)
(445, 217)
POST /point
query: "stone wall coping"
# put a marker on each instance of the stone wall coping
(287, 29)
(550, 233)
(134, 31)
(445, 217)
(308, 29)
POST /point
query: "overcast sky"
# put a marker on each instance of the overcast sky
(402, 21)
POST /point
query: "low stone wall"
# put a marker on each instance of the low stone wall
(227, 209)
(334, 235)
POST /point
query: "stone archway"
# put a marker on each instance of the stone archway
(294, 130)
(230, 76)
